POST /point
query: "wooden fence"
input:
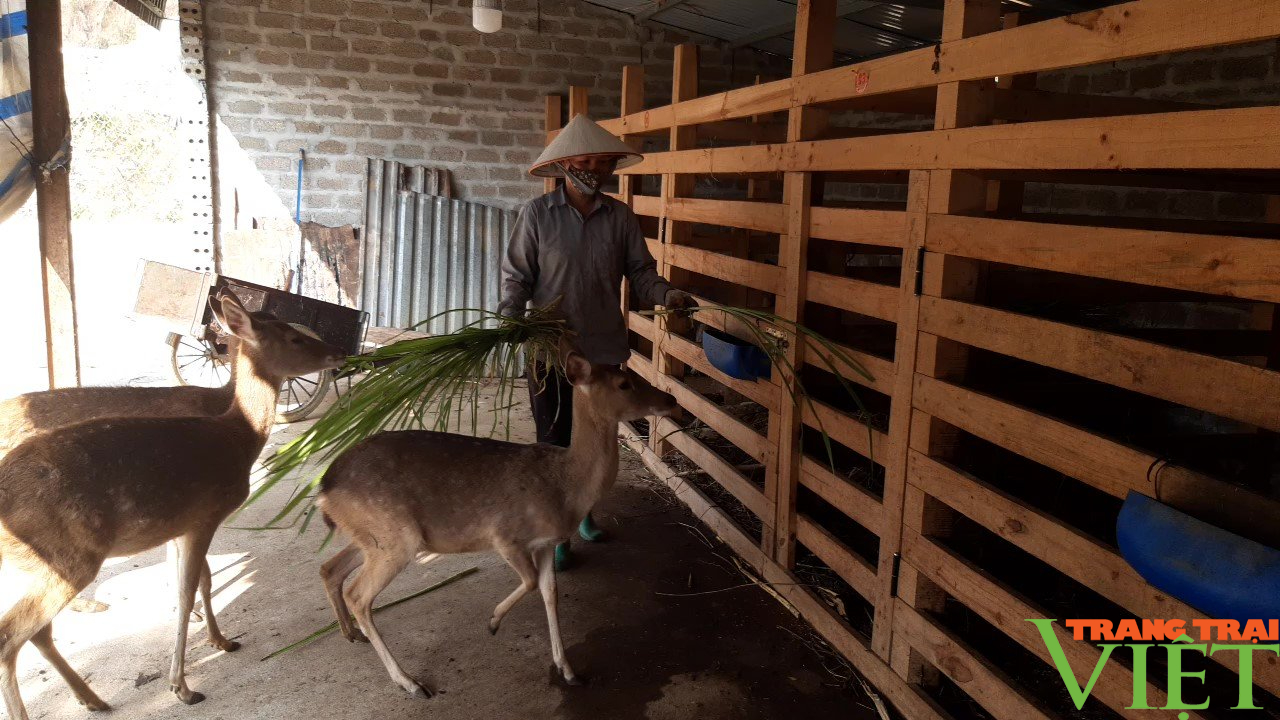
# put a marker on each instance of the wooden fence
(1014, 400)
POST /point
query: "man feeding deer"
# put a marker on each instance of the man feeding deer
(572, 247)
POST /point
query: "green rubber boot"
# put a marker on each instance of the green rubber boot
(564, 557)
(588, 530)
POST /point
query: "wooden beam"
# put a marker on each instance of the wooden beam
(1244, 268)
(857, 572)
(632, 101)
(1142, 367)
(760, 276)
(579, 101)
(765, 217)
(813, 51)
(865, 298)
(846, 430)
(870, 227)
(1119, 32)
(717, 467)
(52, 159)
(849, 498)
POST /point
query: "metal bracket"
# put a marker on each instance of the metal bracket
(893, 580)
(919, 271)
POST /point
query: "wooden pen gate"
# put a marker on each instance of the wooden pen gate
(1029, 369)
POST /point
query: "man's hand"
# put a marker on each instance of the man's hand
(679, 300)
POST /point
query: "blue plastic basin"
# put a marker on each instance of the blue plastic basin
(734, 357)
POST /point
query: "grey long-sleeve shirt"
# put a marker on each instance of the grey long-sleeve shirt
(556, 253)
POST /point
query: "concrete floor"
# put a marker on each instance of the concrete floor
(646, 655)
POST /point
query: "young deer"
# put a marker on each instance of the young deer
(402, 494)
(72, 497)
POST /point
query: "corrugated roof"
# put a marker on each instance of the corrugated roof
(867, 28)
(150, 11)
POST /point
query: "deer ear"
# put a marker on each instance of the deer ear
(237, 320)
(577, 369)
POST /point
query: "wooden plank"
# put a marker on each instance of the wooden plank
(717, 467)
(900, 377)
(1007, 611)
(849, 498)
(870, 227)
(846, 430)
(726, 267)
(641, 325)
(1239, 138)
(865, 298)
(1129, 30)
(1074, 553)
(1245, 268)
(1030, 105)
(1106, 465)
(851, 568)
(730, 428)
(880, 369)
(979, 679)
(760, 391)
(579, 101)
(51, 120)
(1154, 370)
(909, 701)
(632, 101)
(648, 205)
(762, 216)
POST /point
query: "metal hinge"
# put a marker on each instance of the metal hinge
(893, 580)
(919, 270)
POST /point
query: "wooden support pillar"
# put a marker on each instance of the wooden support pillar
(632, 102)
(52, 155)
(1005, 197)
(949, 192)
(684, 86)
(553, 120)
(578, 101)
(814, 51)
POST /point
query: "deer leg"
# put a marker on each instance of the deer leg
(334, 572)
(520, 561)
(43, 640)
(192, 548)
(379, 570)
(47, 593)
(545, 557)
(216, 638)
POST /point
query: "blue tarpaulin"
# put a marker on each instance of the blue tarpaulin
(16, 177)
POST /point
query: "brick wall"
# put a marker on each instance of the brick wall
(411, 81)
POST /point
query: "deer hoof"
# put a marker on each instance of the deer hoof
(86, 605)
(227, 645)
(419, 690)
(493, 627)
(188, 697)
(96, 705)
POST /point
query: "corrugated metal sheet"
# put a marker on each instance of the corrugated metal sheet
(150, 12)
(426, 254)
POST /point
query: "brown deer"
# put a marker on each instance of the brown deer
(74, 496)
(399, 495)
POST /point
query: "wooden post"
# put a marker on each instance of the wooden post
(684, 86)
(949, 192)
(554, 120)
(632, 102)
(1005, 197)
(578, 102)
(814, 38)
(52, 154)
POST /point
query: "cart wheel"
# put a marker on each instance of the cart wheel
(300, 396)
(198, 361)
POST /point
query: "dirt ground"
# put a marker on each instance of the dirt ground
(657, 619)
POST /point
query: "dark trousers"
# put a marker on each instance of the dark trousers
(551, 399)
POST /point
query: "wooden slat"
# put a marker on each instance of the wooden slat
(648, 205)
(1155, 370)
(1075, 554)
(980, 680)
(641, 325)
(730, 428)
(1008, 612)
(1029, 105)
(552, 120)
(870, 227)
(846, 430)
(762, 216)
(1135, 29)
(849, 498)
(1236, 138)
(851, 568)
(864, 298)
(725, 267)
(717, 467)
(880, 370)
(909, 701)
(762, 392)
(1237, 267)
(1106, 465)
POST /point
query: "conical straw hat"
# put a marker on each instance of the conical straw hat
(582, 136)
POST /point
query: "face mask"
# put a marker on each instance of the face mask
(584, 181)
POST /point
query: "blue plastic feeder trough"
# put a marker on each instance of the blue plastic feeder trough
(1217, 572)
(733, 357)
